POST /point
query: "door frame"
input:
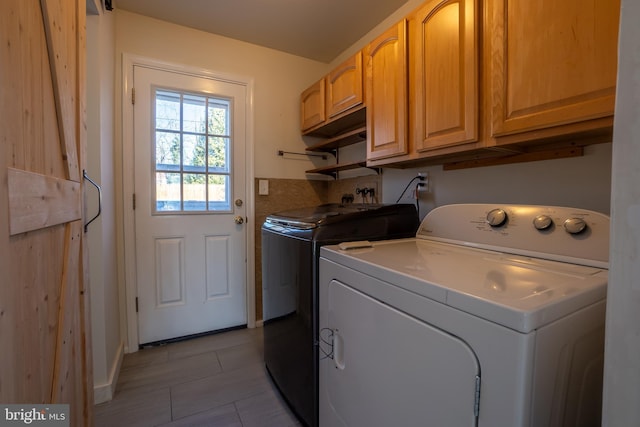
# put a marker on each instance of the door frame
(126, 233)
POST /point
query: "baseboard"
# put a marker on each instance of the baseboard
(104, 392)
(259, 323)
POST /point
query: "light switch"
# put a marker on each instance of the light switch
(263, 187)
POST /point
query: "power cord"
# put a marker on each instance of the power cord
(420, 184)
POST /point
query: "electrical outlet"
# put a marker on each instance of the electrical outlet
(423, 182)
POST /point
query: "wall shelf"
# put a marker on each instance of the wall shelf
(334, 169)
(345, 139)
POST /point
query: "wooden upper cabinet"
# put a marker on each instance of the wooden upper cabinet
(344, 86)
(550, 62)
(444, 74)
(386, 93)
(312, 105)
(328, 107)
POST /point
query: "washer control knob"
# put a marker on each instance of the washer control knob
(542, 222)
(496, 217)
(575, 225)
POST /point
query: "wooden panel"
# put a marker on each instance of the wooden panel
(344, 86)
(170, 271)
(37, 201)
(445, 74)
(65, 385)
(386, 93)
(559, 153)
(312, 105)
(43, 306)
(551, 62)
(217, 254)
(61, 29)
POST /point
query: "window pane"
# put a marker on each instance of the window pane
(195, 192)
(167, 151)
(194, 152)
(218, 117)
(218, 154)
(219, 193)
(167, 110)
(167, 192)
(194, 114)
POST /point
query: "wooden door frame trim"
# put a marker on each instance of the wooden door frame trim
(124, 172)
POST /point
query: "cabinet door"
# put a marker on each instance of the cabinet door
(551, 62)
(344, 86)
(444, 78)
(312, 107)
(386, 93)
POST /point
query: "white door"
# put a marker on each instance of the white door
(387, 368)
(189, 148)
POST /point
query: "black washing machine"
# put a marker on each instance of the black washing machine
(291, 242)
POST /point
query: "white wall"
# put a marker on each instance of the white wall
(622, 353)
(583, 182)
(278, 80)
(107, 345)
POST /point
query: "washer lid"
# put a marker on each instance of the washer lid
(313, 216)
(519, 292)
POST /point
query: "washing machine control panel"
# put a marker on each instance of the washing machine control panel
(550, 232)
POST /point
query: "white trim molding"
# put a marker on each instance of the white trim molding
(105, 392)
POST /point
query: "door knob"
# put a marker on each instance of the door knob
(238, 219)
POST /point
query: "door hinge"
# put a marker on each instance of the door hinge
(133, 95)
(136, 304)
(134, 201)
(476, 402)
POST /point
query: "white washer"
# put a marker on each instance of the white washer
(492, 316)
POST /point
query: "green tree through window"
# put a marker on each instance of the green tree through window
(192, 151)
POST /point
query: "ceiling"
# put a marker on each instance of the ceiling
(315, 29)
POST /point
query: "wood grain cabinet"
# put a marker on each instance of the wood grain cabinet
(550, 64)
(469, 80)
(386, 94)
(344, 86)
(326, 106)
(312, 106)
(443, 74)
(333, 108)
(439, 114)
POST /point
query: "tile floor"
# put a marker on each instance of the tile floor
(217, 380)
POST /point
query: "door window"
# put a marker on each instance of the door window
(192, 164)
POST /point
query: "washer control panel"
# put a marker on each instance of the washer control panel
(550, 232)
